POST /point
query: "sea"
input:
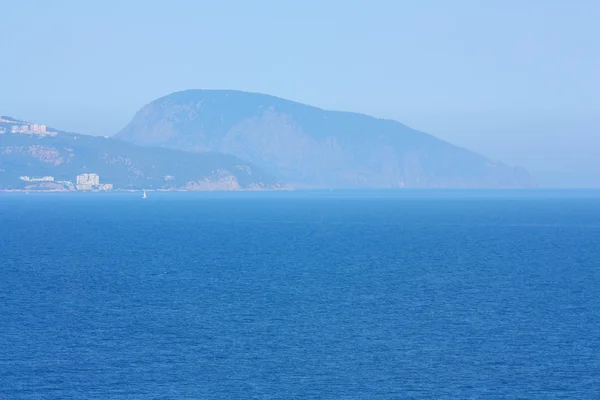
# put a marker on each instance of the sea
(399, 294)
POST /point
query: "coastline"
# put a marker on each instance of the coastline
(287, 189)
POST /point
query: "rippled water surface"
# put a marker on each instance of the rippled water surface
(325, 295)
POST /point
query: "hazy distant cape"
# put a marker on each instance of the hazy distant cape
(308, 146)
(27, 157)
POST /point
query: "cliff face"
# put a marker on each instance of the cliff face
(124, 165)
(313, 147)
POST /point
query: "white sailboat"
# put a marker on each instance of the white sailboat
(144, 195)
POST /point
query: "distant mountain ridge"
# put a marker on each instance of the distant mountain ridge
(309, 146)
(26, 156)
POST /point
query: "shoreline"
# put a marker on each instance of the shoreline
(142, 190)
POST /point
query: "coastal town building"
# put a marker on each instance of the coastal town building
(91, 181)
(33, 129)
(88, 179)
(37, 179)
(84, 182)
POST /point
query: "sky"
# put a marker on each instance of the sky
(514, 80)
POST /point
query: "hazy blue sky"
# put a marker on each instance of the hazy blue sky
(516, 80)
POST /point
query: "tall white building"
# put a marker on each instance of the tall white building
(31, 128)
(36, 128)
(88, 179)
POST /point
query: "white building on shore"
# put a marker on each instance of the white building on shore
(37, 179)
(32, 129)
(91, 182)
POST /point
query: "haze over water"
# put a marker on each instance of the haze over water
(384, 294)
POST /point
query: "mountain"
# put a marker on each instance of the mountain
(28, 152)
(308, 146)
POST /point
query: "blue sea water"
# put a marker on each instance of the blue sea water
(324, 295)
